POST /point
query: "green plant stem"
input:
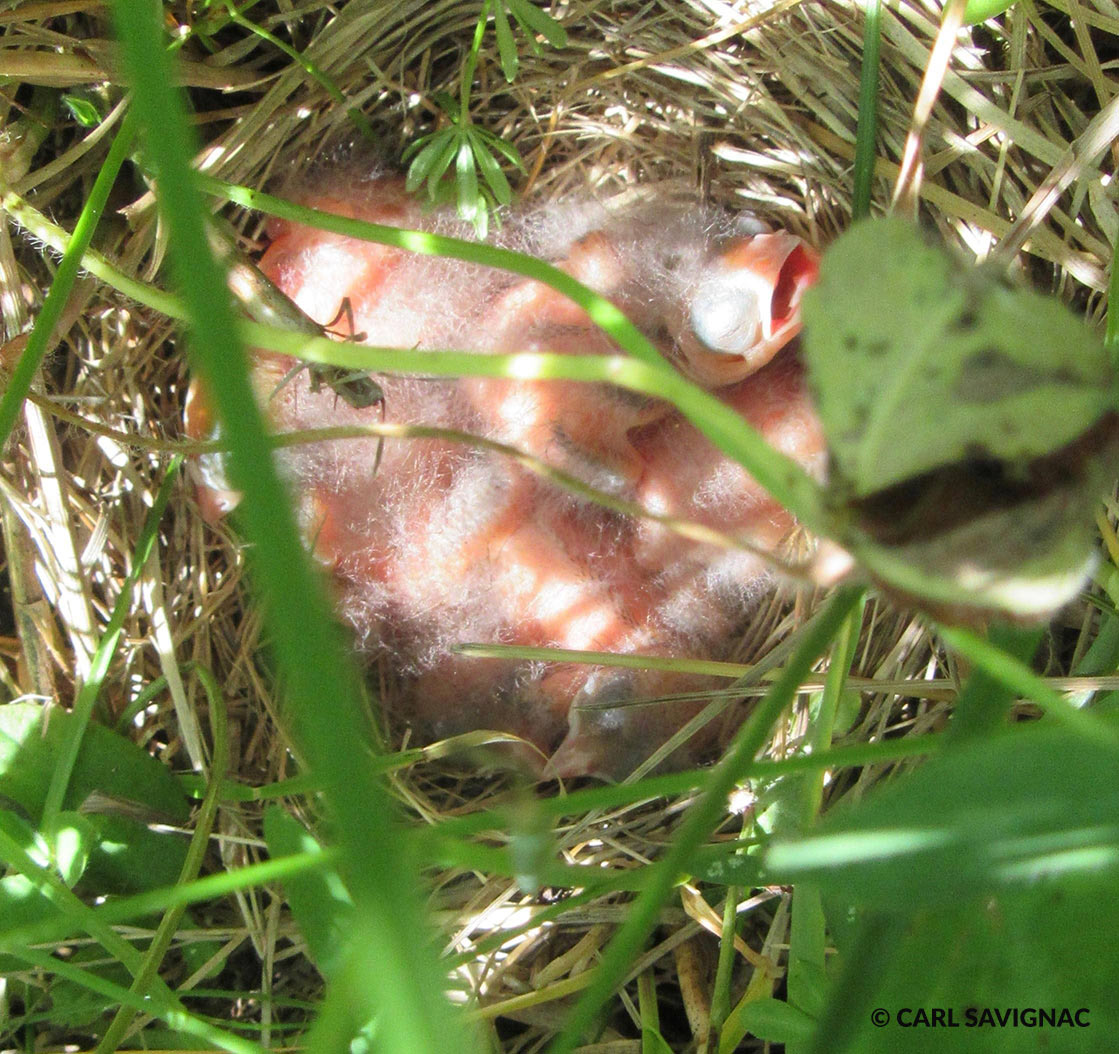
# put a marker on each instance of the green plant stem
(720, 989)
(782, 476)
(38, 226)
(820, 733)
(96, 921)
(651, 1042)
(863, 967)
(1111, 336)
(78, 915)
(55, 303)
(676, 783)
(466, 80)
(808, 930)
(702, 818)
(310, 68)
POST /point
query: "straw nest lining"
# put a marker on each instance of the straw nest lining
(753, 104)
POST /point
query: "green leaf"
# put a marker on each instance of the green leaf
(491, 173)
(532, 18)
(736, 870)
(429, 147)
(101, 836)
(451, 147)
(1047, 946)
(21, 902)
(1020, 808)
(73, 839)
(129, 857)
(108, 766)
(466, 179)
(776, 1021)
(197, 953)
(82, 110)
(506, 46)
(807, 981)
(501, 146)
(978, 11)
(971, 427)
(652, 1042)
(15, 824)
(959, 366)
(319, 900)
(447, 104)
(76, 1006)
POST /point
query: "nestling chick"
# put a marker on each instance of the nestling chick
(437, 542)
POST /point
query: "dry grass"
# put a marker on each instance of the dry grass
(753, 103)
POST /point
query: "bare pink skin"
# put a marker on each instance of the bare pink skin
(446, 543)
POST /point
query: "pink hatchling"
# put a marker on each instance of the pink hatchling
(439, 542)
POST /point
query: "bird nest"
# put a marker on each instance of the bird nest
(749, 106)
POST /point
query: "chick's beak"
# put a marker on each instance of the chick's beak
(746, 307)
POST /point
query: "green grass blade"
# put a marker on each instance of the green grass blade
(868, 111)
(106, 649)
(601, 311)
(780, 475)
(1111, 336)
(1007, 670)
(397, 967)
(984, 701)
(128, 909)
(310, 68)
(38, 226)
(78, 917)
(55, 303)
(980, 10)
(162, 1007)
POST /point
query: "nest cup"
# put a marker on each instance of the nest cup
(745, 107)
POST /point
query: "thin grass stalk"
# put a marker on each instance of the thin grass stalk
(55, 303)
(1111, 334)
(87, 695)
(98, 921)
(867, 130)
(400, 979)
(601, 311)
(859, 979)
(77, 916)
(724, 427)
(38, 226)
